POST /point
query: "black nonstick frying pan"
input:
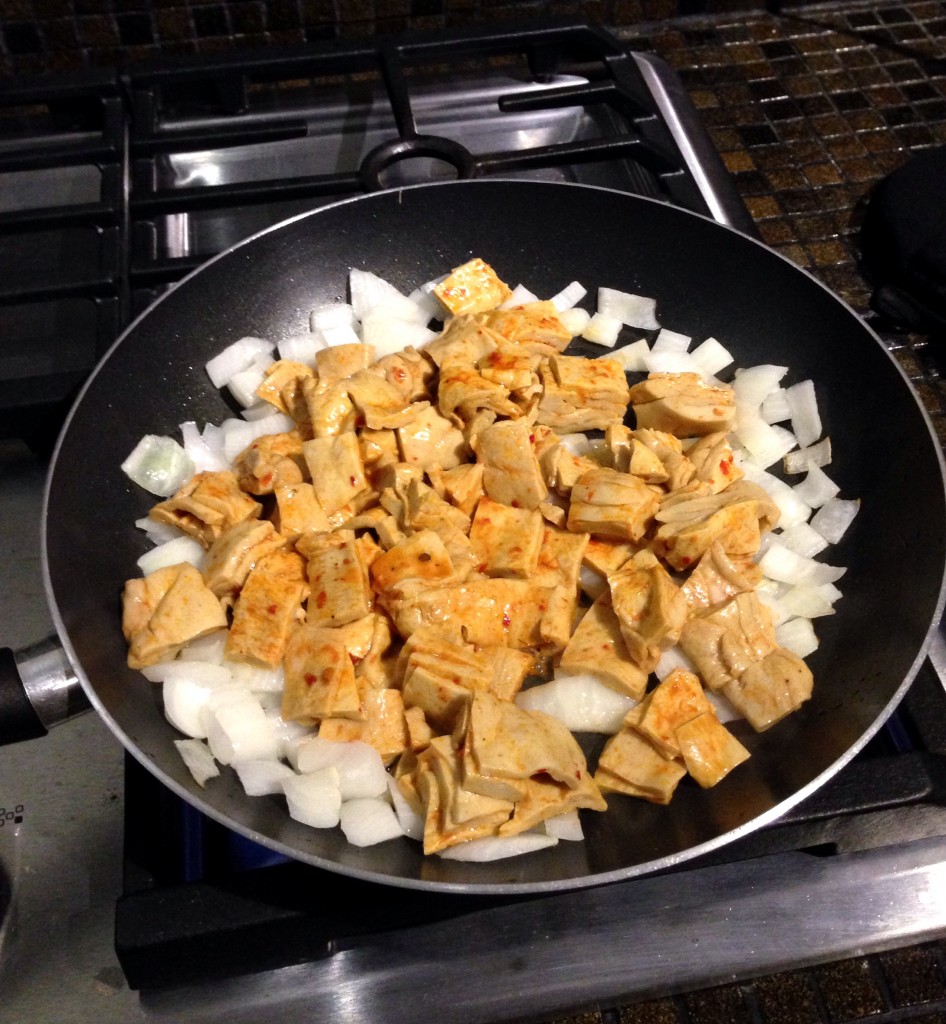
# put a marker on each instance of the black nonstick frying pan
(709, 281)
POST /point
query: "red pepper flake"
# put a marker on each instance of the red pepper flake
(310, 679)
(515, 503)
(724, 465)
(272, 609)
(320, 599)
(685, 560)
(351, 480)
(507, 622)
(266, 479)
(424, 556)
(532, 439)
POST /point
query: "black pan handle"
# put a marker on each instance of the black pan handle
(38, 689)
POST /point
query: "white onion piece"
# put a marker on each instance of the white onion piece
(670, 341)
(206, 457)
(807, 602)
(238, 730)
(669, 361)
(577, 444)
(366, 821)
(632, 357)
(711, 357)
(816, 488)
(498, 847)
(158, 533)
(289, 735)
(427, 301)
(332, 314)
(818, 454)
(243, 385)
(301, 348)
(779, 563)
(172, 552)
(159, 465)
(259, 411)
(602, 330)
(184, 701)
(261, 778)
(205, 672)
(791, 508)
(834, 517)
(581, 702)
(806, 420)
(259, 678)
(574, 320)
(725, 712)
(340, 335)
(592, 583)
(314, 798)
(798, 636)
(207, 648)
(521, 296)
(236, 357)
(369, 293)
(565, 826)
(632, 310)
(387, 334)
(671, 659)
(200, 763)
(754, 383)
(569, 296)
(361, 771)
(412, 824)
(765, 442)
(774, 408)
(803, 539)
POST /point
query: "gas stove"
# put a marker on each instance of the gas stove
(112, 187)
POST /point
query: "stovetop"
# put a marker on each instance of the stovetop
(862, 865)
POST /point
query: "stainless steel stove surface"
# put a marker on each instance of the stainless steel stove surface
(92, 850)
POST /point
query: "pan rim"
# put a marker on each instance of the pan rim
(511, 888)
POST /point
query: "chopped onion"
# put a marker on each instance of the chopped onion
(670, 361)
(158, 533)
(332, 314)
(207, 648)
(314, 798)
(565, 826)
(184, 701)
(387, 334)
(243, 385)
(581, 702)
(577, 444)
(632, 310)
(236, 357)
(774, 408)
(779, 563)
(602, 330)
(428, 302)
(806, 420)
(159, 465)
(240, 434)
(765, 442)
(172, 552)
(521, 296)
(412, 824)
(753, 384)
(207, 457)
(798, 635)
(301, 348)
(260, 778)
(670, 341)
(259, 678)
(205, 672)
(818, 454)
(497, 847)
(361, 771)
(569, 296)
(671, 659)
(632, 357)
(340, 335)
(574, 320)
(791, 508)
(238, 730)
(200, 763)
(711, 357)
(803, 539)
(816, 488)
(366, 821)
(807, 602)
(725, 712)
(289, 734)
(370, 293)
(834, 517)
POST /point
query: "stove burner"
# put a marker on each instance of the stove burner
(385, 156)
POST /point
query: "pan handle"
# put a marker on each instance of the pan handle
(38, 689)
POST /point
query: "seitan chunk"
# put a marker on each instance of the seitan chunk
(682, 404)
(631, 764)
(282, 388)
(320, 678)
(675, 701)
(431, 439)
(597, 647)
(271, 461)
(472, 288)
(267, 610)
(336, 469)
(338, 578)
(207, 505)
(534, 326)
(582, 394)
(612, 504)
(718, 577)
(165, 610)
(511, 473)
(709, 749)
(235, 552)
(770, 688)
(507, 540)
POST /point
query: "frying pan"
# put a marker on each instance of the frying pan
(709, 281)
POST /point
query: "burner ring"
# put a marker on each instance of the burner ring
(388, 153)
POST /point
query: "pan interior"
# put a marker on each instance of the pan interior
(709, 282)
